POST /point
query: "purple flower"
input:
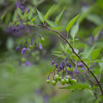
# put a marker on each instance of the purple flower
(61, 67)
(27, 63)
(56, 65)
(14, 29)
(52, 62)
(40, 46)
(23, 51)
(17, 48)
(20, 26)
(17, 5)
(80, 64)
(32, 40)
(27, 9)
(68, 65)
(83, 68)
(21, 7)
(76, 71)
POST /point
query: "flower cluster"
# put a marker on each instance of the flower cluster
(64, 72)
(29, 47)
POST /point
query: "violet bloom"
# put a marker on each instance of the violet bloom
(20, 26)
(68, 65)
(27, 63)
(17, 5)
(23, 51)
(56, 65)
(83, 68)
(17, 48)
(76, 71)
(21, 7)
(52, 62)
(40, 46)
(27, 9)
(32, 40)
(80, 64)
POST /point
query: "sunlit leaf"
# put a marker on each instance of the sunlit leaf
(33, 19)
(95, 53)
(51, 23)
(74, 30)
(56, 28)
(59, 16)
(69, 25)
(99, 99)
(41, 16)
(48, 12)
(30, 13)
(19, 12)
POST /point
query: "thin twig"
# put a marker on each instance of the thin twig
(74, 53)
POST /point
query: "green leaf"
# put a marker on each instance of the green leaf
(30, 23)
(99, 99)
(59, 16)
(59, 52)
(101, 64)
(3, 15)
(95, 53)
(51, 23)
(25, 14)
(69, 25)
(87, 52)
(59, 55)
(30, 13)
(77, 86)
(19, 12)
(60, 27)
(33, 19)
(41, 16)
(48, 12)
(74, 30)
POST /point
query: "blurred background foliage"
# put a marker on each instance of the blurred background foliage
(26, 84)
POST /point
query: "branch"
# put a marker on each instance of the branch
(74, 53)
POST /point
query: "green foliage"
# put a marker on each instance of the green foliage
(99, 99)
(69, 25)
(95, 53)
(77, 86)
(41, 16)
(48, 12)
(33, 19)
(51, 23)
(30, 13)
(74, 30)
(59, 16)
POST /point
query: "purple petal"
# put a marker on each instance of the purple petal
(27, 63)
(17, 48)
(23, 51)
(80, 64)
(83, 68)
(40, 46)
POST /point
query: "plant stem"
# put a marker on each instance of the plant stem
(74, 53)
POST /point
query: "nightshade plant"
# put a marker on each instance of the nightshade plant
(70, 63)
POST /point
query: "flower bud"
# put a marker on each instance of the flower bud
(68, 65)
(52, 62)
(17, 48)
(80, 64)
(23, 51)
(83, 68)
(40, 46)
